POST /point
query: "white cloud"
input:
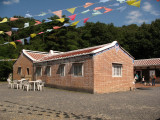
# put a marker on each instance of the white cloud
(147, 7)
(9, 2)
(135, 17)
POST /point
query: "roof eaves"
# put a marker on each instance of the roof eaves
(25, 52)
(105, 47)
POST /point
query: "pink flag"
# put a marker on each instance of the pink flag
(98, 8)
(9, 33)
(58, 13)
(56, 27)
(37, 22)
(40, 33)
(13, 19)
(107, 10)
(72, 17)
(85, 20)
(19, 41)
(88, 4)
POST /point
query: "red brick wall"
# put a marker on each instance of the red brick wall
(84, 83)
(103, 80)
(24, 63)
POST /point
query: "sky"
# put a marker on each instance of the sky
(148, 11)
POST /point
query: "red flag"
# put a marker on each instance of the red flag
(72, 17)
(85, 20)
(56, 27)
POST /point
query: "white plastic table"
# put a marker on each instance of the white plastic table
(34, 84)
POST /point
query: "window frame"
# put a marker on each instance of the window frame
(40, 72)
(60, 70)
(49, 71)
(28, 72)
(115, 70)
(20, 71)
(82, 69)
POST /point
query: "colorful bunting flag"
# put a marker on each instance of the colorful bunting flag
(26, 25)
(121, 1)
(107, 10)
(19, 41)
(15, 29)
(71, 10)
(1, 32)
(104, 1)
(137, 4)
(49, 30)
(66, 24)
(85, 20)
(72, 17)
(88, 4)
(13, 43)
(98, 8)
(6, 43)
(9, 33)
(86, 11)
(22, 40)
(75, 23)
(40, 33)
(33, 35)
(129, 2)
(47, 20)
(61, 20)
(4, 20)
(13, 19)
(58, 13)
(37, 22)
(42, 14)
(96, 13)
(28, 39)
(56, 27)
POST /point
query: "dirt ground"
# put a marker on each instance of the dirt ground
(55, 104)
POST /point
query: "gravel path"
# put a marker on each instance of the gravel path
(55, 104)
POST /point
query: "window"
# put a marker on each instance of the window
(48, 71)
(117, 70)
(62, 70)
(27, 71)
(19, 71)
(39, 71)
(77, 69)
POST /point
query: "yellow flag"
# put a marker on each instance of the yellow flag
(75, 23)
(4, 20)
(137, 4)
(129, 2)
(13, 43)
(1, 32)
(61, 20)
(71, 10)
(33, 35)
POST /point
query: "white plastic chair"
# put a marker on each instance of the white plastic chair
(40, 86)
(10, 83)
(26, 85)
(16, 84)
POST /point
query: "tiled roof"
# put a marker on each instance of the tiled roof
(147, 62)
(71, 53)
(35, 55)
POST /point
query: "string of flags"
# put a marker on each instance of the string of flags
(71, 17)
(7, 60)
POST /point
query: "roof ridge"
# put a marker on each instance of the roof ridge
(35, 51)
(147, 59)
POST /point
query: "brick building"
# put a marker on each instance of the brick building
(145, 67)
(100, 69)
(23, 67)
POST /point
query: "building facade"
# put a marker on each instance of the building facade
(100, 69)
(145, 67)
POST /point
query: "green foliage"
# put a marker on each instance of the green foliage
(140, 41)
